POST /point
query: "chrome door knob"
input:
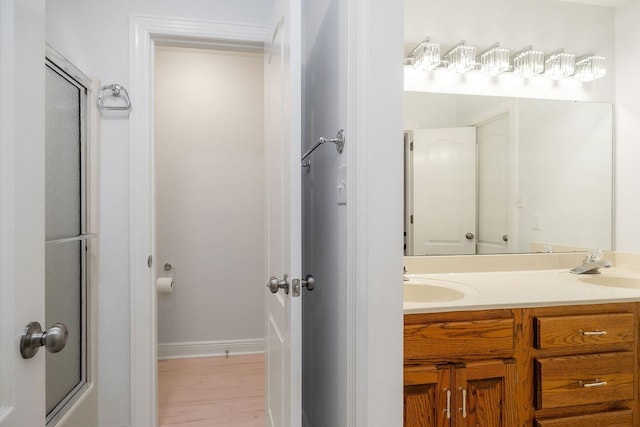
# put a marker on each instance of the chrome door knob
(33, 338)
(309, 282)
(275, 285)
(470, 236)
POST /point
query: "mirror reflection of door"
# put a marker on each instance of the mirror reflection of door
(443, 197)
(494, 213)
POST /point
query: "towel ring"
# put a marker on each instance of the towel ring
(117, 91)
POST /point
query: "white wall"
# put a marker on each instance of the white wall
(94, 36)
(627, 114)
(209, 142)
(546, 24)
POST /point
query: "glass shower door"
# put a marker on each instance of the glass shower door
(66, 239)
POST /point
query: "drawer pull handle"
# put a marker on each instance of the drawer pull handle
(464, 402)
(594, 333)
(448, 410)
(596, 383)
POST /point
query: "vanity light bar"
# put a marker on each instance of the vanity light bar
(528, 62)
(495, 60)
(590, 67)
(425, 56)
(460, 58)
(559, 65)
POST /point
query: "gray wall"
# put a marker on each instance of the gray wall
(209, 153)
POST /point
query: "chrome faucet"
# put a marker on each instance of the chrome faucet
(592, 263)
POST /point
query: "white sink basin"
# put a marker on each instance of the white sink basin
(434, 290)
(604, 279)
(430, 293)
(612, 277)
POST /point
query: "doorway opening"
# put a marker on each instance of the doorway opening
(209, 232)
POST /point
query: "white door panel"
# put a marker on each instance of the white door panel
(494, 205)
(444, 191)
(22, 222)
(22, 384)
(283, 190)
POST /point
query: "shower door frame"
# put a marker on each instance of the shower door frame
(81, 405)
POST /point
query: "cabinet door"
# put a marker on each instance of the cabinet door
(427, 396)
(485, 394)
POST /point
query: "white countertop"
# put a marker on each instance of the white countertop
(528, 288)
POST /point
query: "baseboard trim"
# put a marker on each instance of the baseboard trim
(178, 350)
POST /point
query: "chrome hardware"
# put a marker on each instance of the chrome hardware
(79, 238)
(470, 236)
(309, 282)
(592, 263)
(595, 383)
(505, 238)
(448, 410)
(167, 267)
(464, 402)
(117, 91)
(338, 140)
(149, 261)
(307, 164)
(593, 333)
(275, 285)
(33, 338)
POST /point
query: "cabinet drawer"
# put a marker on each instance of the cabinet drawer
(582, 380)
(583, 331)
(605, 419)
(450, 339)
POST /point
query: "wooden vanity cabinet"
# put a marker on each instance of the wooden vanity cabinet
(460, 373)
(566, 366)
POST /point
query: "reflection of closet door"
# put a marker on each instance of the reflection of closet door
(493, 186)
(444, 191)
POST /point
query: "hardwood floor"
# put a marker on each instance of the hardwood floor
(211, 392)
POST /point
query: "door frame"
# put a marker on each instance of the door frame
(145, 32)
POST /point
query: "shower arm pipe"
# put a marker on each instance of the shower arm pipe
(338, 140)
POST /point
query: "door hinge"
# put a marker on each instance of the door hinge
(411, 146)
(411, 219)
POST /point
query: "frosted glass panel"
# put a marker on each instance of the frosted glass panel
(65, 281)
(63, 295)
(62, 158)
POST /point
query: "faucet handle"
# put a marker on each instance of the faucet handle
(594, 255)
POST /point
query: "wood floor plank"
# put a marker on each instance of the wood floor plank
(211, 392)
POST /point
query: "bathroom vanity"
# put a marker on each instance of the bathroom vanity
(548, 351)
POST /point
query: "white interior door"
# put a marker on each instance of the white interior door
(494, 204)
(22, 381)
(283, 195)
(444, 191)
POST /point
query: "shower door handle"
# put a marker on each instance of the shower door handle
(33, 338)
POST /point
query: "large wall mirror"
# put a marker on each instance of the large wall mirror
(487, 175)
